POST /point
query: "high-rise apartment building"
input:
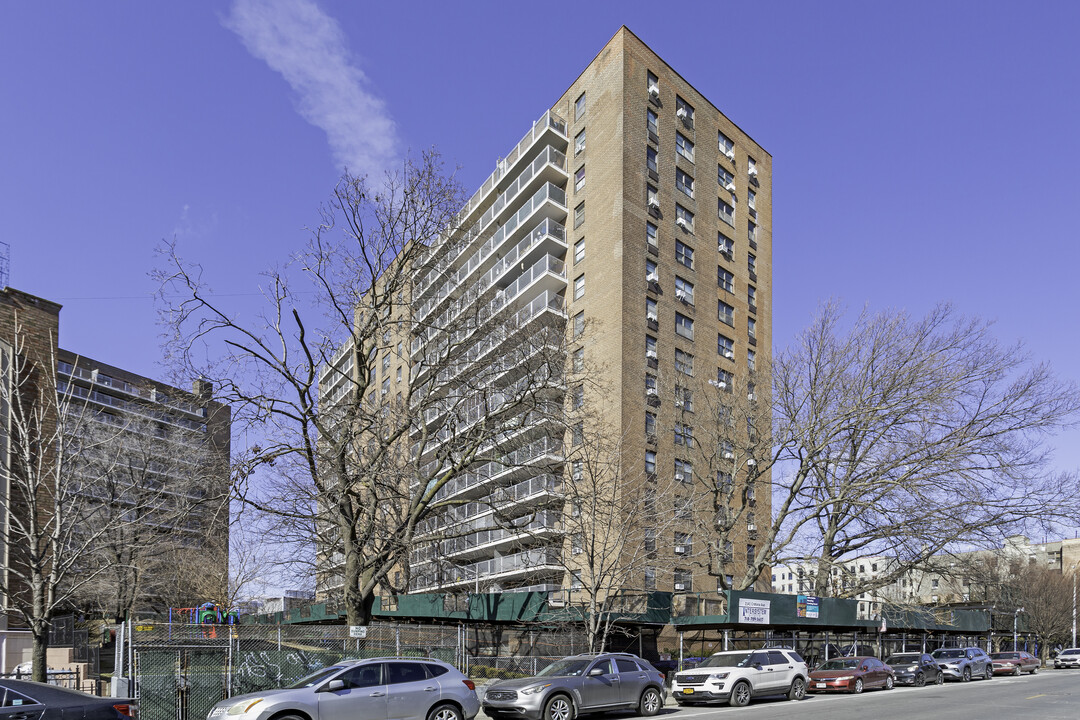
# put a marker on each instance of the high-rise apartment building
(639, 217)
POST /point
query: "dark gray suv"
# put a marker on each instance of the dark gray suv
(579, 684)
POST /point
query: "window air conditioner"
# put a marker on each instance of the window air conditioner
(651, 391)
(680, 295)
(752, 170)
(680, 586)
(751, 462)
(721, 384)
(654, 91)
(680, 549)
(730, 187)
(654, 203)
(681, 113)
(728, 354)
(730, 153)
(751, 396)
(682, 223)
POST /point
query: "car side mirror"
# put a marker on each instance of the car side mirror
(596, 671)
(334, 685)
(758, 666)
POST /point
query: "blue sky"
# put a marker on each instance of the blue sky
(922, 151)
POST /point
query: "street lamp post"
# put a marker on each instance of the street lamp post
(1016, 616)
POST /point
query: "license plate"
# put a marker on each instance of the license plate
(688, 691)
(821, 685)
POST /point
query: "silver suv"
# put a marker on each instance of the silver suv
(964, 663)
(405, 688)
(579, 684)
(738, 675)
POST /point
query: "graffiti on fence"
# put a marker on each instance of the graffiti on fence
(256, 670)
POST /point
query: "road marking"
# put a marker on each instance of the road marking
(1035, 696)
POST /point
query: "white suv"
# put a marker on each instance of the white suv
(1068, 658)
(738, 675)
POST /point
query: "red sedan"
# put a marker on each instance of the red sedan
(851, 674)
(1014, 663)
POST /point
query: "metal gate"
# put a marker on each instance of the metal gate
(179, 683)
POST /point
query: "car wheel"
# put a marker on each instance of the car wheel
(740, 695)
(444, 712)
(650, 703)
(990, 673)
(558, 708)
(889, 682)
(857, 687)
(797, 691)
(920, 680)
(1016, 670)
(966, 676)
(940, 678)
(1034, 669)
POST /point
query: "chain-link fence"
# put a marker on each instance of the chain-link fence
(181, 671)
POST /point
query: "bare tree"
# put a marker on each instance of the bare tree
(363, 389)
(903, 437)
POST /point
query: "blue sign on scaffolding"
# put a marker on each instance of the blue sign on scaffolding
(807, 607)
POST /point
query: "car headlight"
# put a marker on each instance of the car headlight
(845, 677)
(534, 689)
(913, 667)
(241, 708)
(719, 676)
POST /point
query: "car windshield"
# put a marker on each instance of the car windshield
(902, 659)
(948, 654)
(727, 660)
(315, 678)
(1005, 656)
(569, 666)
(840, 664)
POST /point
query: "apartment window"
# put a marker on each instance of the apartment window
(725, 178)
(579, 251)
(650, 347)
(684, 326)
(575, 580)
(579, 143)
(576, 544)
(579, 214)
(650, 235)
(724, 379)
(684, 218)
(579, 179)
(652, 197)
(650, 576)
(684, 363)
(751, 296)
(579, 287)
(650, 425)
(751, 199)
(751, 551)
(684, 471)
(684, 254)
(650, 462)
(684, 398)
(751, 233)
(725, 245)
(578, 397)
(682, 580)
(725, 280)
(725, 212)
(385, 367)
(684, 507)
(728, 555)
(683, 542)
(650, 271)
(727, 147)
(684, 434)
(684, 111)
(650, 310)
(577, 434)
(684, 183)
(751, 328)
(579, 107)
(684, 290)
(725, 312)
(751, 167)
(579, 325)
(650, 384)
(751, 263)
(399, 374)
(684, 147)
(578, 360)
(751, 360)
(652, 122)
(725, 346)
(386, 387)
(653, 84)
(650, 540)
(650, 162)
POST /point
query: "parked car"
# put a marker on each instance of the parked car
(406, 688)
(1069, 657)
(738, 675)
(964, 663)
(851, 674)
(915, 668)
(26, 700)
(579, 684)
(1014, 663)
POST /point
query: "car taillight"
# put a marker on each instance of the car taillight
(126, 709)
(469, 684)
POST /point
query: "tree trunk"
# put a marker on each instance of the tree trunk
(39, 673)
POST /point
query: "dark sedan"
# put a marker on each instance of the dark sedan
(26, 700)
(1014, 663)
(916, 669)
